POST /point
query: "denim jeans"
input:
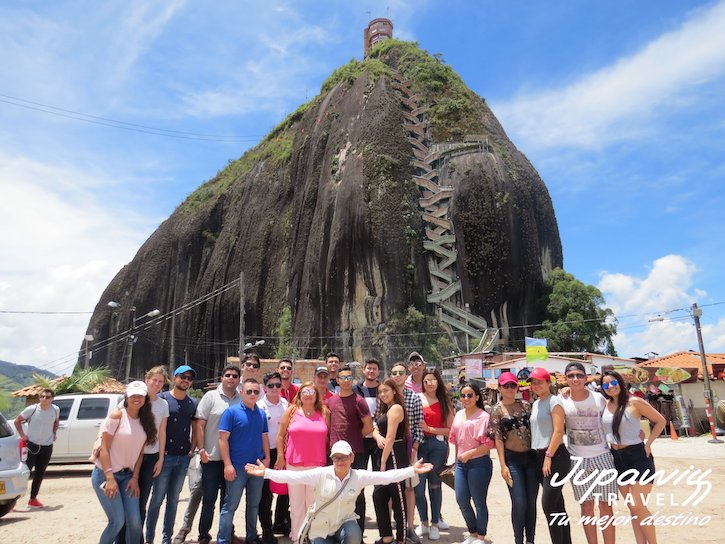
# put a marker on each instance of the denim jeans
(472, 481)
(212, 483)
(523, 469)
(432, 451)
(167, 486)
(253, 487)
(348, 533)
(120, 510)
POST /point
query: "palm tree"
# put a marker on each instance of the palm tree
(80, 381)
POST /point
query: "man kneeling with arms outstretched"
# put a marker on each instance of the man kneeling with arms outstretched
(336, 490)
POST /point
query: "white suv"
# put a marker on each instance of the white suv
(13, 471)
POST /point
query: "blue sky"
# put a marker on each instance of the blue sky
(618, 104)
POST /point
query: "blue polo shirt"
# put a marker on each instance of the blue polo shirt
(245, 427)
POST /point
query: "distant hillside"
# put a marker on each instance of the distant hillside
(13, 377)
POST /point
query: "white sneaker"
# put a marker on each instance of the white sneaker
(433, 533)
(470, 540)
(442, 525)
(421, 530)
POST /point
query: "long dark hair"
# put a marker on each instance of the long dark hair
(477, 391)
(146, 417)
(441, 393)
(397, 399)
(622, 399)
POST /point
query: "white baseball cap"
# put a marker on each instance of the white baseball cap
(136, 388)
(341, 446)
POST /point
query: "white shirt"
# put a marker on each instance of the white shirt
(160, 410)
(40, 423)
(274, 416)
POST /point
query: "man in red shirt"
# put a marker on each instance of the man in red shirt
(350, 420)
(289, 390)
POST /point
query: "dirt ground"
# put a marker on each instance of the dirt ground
(72, 513)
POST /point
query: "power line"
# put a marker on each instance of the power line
(41, 313)
(113, 123)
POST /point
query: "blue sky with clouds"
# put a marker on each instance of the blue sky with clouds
(618, 104)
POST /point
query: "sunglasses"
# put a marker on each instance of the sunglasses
(185, 377)
(339, 458)
(252, 365)
(510, 385)
(613, 383)
(252, 391)
(308, 392)
(430, 382)
(576, 376)
(344, 378)
(416, 364)
(235, 376)
(468, 395)
(285, 368)
(398, 373)
(275, 385)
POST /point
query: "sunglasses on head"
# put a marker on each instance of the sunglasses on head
(275, 385)
(308, 392)
(230, 375)
(613, 383)
(252, 365)
(252, 391)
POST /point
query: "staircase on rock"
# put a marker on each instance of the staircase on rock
(434, 204)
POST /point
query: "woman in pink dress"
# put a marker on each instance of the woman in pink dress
(302, 443)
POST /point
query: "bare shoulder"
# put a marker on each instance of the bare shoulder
(116, 414)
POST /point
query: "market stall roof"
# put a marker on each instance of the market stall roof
(685, 359)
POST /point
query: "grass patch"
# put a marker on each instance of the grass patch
(349, 72)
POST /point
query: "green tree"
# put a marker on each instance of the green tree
(80, 381)
(575, 316)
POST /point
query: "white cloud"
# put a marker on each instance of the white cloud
(647, 322)
(619, 101)
(60, 250)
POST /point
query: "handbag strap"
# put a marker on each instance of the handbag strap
(333, 499)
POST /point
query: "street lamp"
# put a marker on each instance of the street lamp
(132, 336)
(88, 339)
(249, 345)
(696, 313)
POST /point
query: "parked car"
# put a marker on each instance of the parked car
(13, 471)
(81, 417)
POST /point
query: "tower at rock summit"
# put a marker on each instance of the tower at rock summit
(395, 187)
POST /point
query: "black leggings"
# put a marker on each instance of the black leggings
(552, 498)
(281, 516)
(38, 457)
(384, 495)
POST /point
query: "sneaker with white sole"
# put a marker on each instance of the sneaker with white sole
(470, 540)
(442, 525)
(421, 530)
(433, 533)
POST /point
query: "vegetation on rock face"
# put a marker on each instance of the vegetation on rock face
(284, 333)
(414, 328)
(455, 110)
(349, 72)
(575, 317)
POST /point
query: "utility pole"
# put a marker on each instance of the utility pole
(130, 339)
(241, 315)
(696, 313)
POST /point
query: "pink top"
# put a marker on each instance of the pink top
(469, 433)
(414, 387)
(128, 441)
(307, 440)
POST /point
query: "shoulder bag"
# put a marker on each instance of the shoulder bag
(304, 532)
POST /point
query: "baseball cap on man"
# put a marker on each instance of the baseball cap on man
(136, 388)
(507, 377)
(574, 365)
(540, 374)
(415, 355)
(342, 447)
(184, 368)
(321, 370)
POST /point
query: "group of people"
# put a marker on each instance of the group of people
(255, 434)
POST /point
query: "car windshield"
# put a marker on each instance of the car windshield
(5, 428)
